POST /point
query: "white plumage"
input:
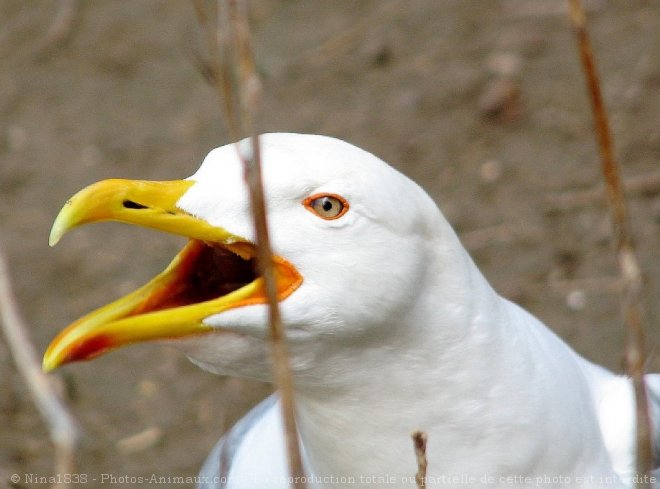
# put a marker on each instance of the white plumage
(395, 329)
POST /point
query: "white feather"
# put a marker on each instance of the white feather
(395, 329)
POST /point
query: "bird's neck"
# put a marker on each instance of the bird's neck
(474, 371)
(424, 372)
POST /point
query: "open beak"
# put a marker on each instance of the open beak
(214, 272)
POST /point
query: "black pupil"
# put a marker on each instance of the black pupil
(327, 204)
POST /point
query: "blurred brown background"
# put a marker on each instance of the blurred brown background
(482, 103)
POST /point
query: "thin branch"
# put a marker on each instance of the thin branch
(645, 184)
(345, 38)
(63, 428)
(481, 238)
(612, 285)
(628, 264)
(137, 442)
(419, 443)
(218, 69)
(60, 29)
(58, 32)
(233, 26)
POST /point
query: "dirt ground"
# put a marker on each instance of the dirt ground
(482, 103)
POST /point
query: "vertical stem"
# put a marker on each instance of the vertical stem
(233, 32)
(279, 351)
(419, 443)
(61, 424)
(634, 356)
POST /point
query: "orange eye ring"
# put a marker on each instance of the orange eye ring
(326, 206)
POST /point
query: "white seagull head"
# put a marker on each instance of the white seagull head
(355, 242)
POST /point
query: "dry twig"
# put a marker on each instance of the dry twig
(628, 264)
(62, 426)
(610, 285)
(645, 184)
(536, 9)
(138, 442)
(57, 33)
(233, 38)
(345, 38)
(218, 70)
(60, 29)
(419, 442)
(481, 238)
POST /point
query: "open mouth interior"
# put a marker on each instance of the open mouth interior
(206, 271)
(216, 271)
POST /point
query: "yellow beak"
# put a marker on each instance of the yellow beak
(214, 272)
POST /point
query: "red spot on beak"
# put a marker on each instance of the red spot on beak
(89, 348)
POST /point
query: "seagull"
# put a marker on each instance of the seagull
(391, 328)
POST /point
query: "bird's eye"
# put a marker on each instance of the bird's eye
(327, 206)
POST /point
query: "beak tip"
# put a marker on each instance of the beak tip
(57, 231)
(48, 365)
(53, 358)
